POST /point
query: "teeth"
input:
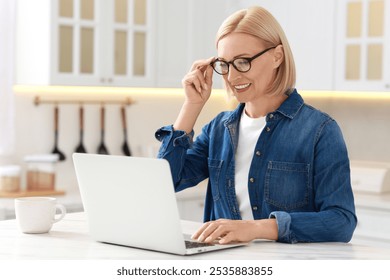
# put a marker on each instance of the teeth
(242, 86)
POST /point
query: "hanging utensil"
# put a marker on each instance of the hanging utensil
(80, 148)
(102, 147)
(125, 146)
(61, 155)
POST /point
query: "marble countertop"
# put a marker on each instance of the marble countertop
(69, 240)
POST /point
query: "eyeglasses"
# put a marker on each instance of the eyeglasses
(241, 64)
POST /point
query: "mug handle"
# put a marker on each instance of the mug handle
(63, 212)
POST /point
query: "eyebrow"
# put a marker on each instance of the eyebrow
(237, 56)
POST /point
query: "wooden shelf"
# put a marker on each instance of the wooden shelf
(30, 193)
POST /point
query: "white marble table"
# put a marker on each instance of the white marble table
(69, 240)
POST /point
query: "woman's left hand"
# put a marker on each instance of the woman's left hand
(227, 231)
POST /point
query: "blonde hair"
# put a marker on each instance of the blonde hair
(258, 22)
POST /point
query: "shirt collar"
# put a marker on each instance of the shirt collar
(289, 108)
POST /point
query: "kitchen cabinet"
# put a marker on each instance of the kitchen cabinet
(373, 212)
(85, 42)
(185, 33)
(363, 45)
(190, 202)
(95, 43)
(337, 45)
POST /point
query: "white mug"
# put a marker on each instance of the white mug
(37, 214)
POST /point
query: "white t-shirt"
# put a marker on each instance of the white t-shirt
(249, 132)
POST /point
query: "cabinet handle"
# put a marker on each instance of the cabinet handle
(387, 86)
(109, 80)
(102, 80)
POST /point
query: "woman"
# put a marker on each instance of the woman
(278, 168)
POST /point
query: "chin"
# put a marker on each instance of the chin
(242, 97)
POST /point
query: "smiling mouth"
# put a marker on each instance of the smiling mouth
(241, 87)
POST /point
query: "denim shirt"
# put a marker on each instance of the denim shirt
(299, 172)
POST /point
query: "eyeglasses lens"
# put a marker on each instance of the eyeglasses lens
(222, 67)
(241, 64)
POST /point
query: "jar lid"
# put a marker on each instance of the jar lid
(10, 170)
(42, 158)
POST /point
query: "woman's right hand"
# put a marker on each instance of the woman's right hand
(197, 87)
(198, 82)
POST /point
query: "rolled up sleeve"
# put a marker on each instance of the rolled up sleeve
(283, 220)
(171, 139)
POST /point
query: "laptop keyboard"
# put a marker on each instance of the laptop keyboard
(193, 244)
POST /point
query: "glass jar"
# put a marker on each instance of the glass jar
(40, 172)
(10, 178)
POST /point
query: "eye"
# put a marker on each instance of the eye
(241, 64)
(221, 65)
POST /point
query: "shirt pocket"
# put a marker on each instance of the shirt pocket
(215, 166)
(287, 185)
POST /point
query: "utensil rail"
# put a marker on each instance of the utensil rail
(49, 100)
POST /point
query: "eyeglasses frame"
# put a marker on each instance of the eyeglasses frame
(231, 62)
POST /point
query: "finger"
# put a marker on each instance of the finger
(197, 85)
(199, 231)
(227, 238)
(218, 233)
(202, 80)
(199, 65)
(207, 232)
(209, 76)
(192, 79)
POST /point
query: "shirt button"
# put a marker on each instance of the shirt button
(271, 116)
(258, 153)
(254, 208)
(251, 180)
(268, 129)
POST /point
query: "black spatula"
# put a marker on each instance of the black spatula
(102, 149)
(125, 146)
(80, 148)
(56, 150)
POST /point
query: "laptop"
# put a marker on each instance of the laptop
(131, 201)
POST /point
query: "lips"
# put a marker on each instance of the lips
(242, 87)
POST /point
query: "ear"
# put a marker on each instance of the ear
(278, 54)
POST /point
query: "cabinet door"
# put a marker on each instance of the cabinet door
(129, 57)
(75, 43)
(86, 42)
(103, 42)
(362, 58)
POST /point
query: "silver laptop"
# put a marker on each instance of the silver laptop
(131, 201)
